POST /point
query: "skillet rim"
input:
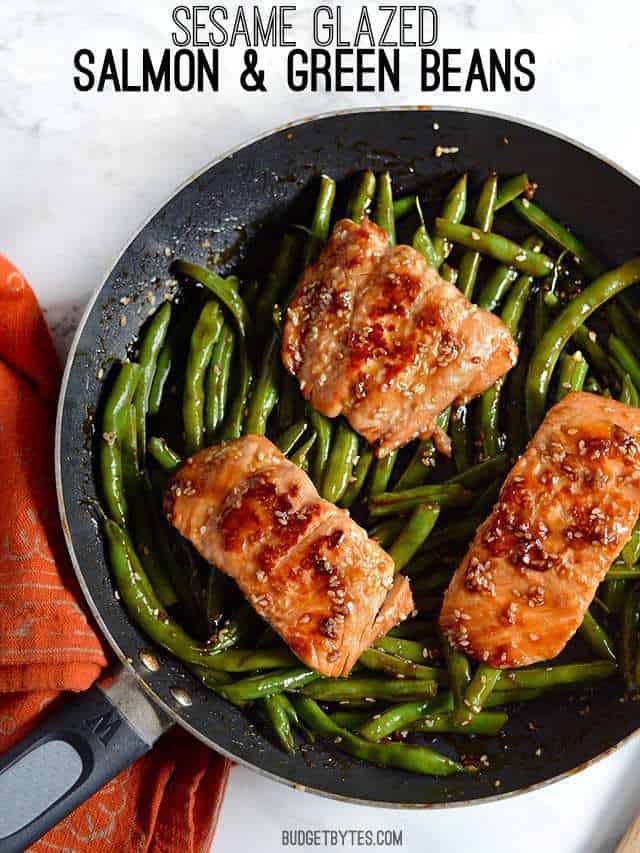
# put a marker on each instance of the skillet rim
(95, 609)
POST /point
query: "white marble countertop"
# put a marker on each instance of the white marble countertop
(80, 172)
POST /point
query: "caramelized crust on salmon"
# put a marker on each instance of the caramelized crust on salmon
(304, 565)
(564, 514)
(374, 333)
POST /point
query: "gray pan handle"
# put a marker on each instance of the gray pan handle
(76, 751)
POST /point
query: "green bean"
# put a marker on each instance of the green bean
(461, 441)
(540, 317)
(444, 495)
(629, 393)
(453, 210)
(142, 532)
(476, 695)
(167, 458)
(482, 219)
(623, 355)
(386, 531)
(217, 382)
(621, 326)
(290, 437)
(114, 420)
(400, 717)
(631, 551)
(321, 222)
(278, 716)
(489, 403)
(362, 196)
(413, 534)
(381, 474)
(496, 246)
(415, 759)
(500, 281)
(620, 571)
(458, 533)
(512, 697)
(279, 281)
(383, 214)
(449, 273)
(323, 429)
(516, 426)
(152, 343)
(597, 638)
(247, 660)
(423, 244)
(459, 672)
(288, 408)
(211, 677)
(403, 206)
(142, 603)
(291, 712)
(548, 227)
(260, 686)
(496, 287)
(300, 456)
(555, 676)
(184, 568)
(587, 342)
(350, 719)
(380, 661)
(561, 330)
(129, 448)
(344, 450)
(232, 425)
(203, 339)
(265, 391)
(164, 364)
(407, 649)
(239, 628)
(512, 188)
(483, 723)
(358, 477)
(394, 690)
(482, 473)
(629, 637)
(220, 288)
(423, 460)
(572, 374)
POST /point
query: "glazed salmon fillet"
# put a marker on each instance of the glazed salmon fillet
(565, 512)
(303, 564)
(375, 334)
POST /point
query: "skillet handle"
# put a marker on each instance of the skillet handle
(75, 752)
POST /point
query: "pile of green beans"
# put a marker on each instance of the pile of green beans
(207, 368)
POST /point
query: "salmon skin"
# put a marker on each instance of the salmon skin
(375, 334)
(303, 564)
(565, 512)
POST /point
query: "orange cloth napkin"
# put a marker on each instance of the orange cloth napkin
(169, 799)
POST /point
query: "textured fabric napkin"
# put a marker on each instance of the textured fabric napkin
(168, 800)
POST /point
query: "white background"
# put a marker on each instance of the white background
(79, 172)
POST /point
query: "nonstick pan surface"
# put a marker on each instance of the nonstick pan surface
(231, 215)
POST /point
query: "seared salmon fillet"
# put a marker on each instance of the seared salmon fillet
(375, 334)
(565, 512)
(304, 565)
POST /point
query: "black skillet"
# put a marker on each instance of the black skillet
(231, 213)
